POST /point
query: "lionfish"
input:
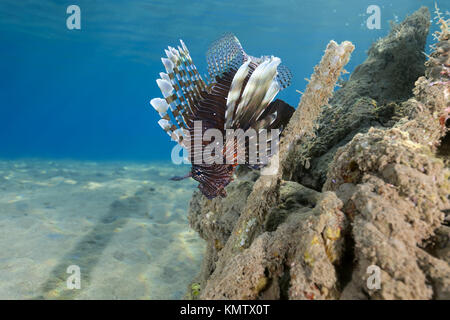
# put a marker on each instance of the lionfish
(239, 94)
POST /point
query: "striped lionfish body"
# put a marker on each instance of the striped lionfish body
(239, 94)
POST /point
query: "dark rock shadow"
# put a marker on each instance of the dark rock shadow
(88, 251)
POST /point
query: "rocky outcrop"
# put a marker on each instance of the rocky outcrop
(367, 190)
(370, 98)
(215, 219)
(295, 260)
(393, 191)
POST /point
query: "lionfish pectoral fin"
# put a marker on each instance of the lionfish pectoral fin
(178, 178)
(276, 115)
(181, 86)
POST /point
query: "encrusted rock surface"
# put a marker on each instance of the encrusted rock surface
(370, 98)
(376, 192)
(304, 241)
(394, 192)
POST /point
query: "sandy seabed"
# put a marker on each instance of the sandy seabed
(123, 224)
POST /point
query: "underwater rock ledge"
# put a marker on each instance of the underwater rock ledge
(369, 188)
(370, 97)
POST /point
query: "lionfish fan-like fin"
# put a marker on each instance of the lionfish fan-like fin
(186, 82)
(259, 91)
(182, 87)
(275, 116)
(284, 76)
(192, 82)
(224, 54)
(175, 133)
(239, 81)
(168, 111)
(211, 110)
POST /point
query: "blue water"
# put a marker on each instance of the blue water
(83, 94)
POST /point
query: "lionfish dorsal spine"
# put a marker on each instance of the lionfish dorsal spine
(224, 54)
(259, 91)
(236, 91)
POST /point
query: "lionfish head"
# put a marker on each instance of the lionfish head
(238, 94)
